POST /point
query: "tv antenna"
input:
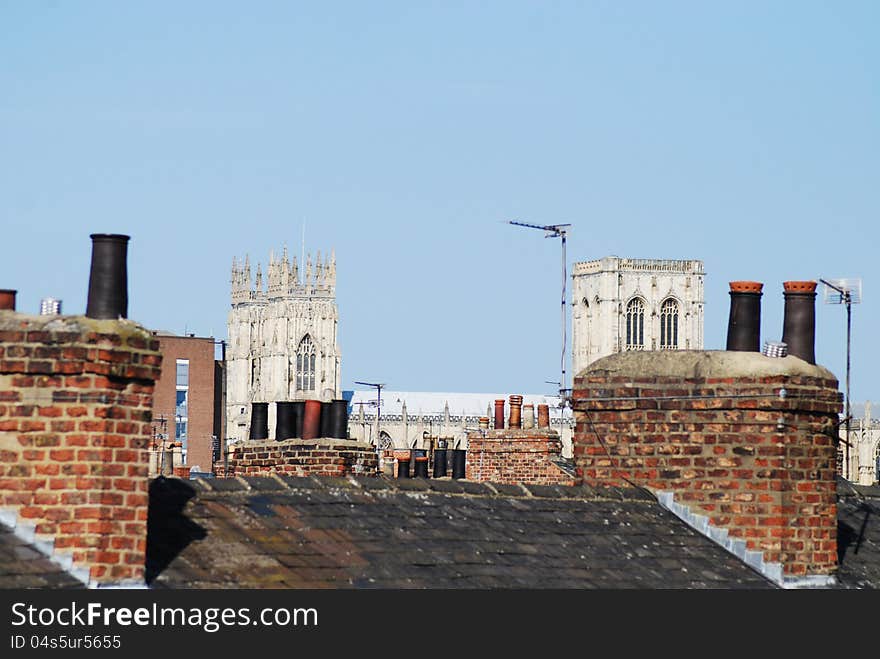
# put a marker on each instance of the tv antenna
(847, 292)
(378, 386)
(556, 231)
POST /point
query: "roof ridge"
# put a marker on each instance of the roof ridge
(274, 482)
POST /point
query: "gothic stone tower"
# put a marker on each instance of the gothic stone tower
(282, 339)
(635, 304)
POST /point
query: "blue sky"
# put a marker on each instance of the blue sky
(405, 133)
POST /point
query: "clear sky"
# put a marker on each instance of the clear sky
(404, 134)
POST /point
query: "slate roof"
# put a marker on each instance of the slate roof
(377, 533)
(23, 566)
(858, 535)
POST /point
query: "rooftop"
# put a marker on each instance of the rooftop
(858, 535)
(23, 565)
(368, 532)
(378, 533)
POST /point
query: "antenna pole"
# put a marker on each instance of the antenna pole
(562, 380)
(378, 386)
(848, 302)
(845, 292)
(557, 231)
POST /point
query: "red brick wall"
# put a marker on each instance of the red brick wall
(200, 402)
(515, 456)
(298, 457)
(75, 398)
(715, 442)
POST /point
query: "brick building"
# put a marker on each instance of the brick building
(186, 398)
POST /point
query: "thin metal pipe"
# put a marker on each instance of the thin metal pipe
(848, 412)
(562, 380)
(378, 419)
(846, 298)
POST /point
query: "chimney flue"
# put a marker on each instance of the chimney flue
(337, 421)
(528, 416)
(403, 459)
(259, 421)
(499, 414)
(458, 463)
(108, 278)
(299, 412)
(421, 466)
(285, 422)
(312, 420)
(324, 430)
(799, 324)
(7, 299)
(543, 416)
(515, 420)
(744, 325)
(440, 462)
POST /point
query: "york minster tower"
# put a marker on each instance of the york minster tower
(282, 337)
(623, 304)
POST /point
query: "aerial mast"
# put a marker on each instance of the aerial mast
(556, 231)
(846, 292)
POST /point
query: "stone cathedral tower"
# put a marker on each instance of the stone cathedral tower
(623, 304)
(282, 338)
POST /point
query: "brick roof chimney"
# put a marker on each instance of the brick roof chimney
(75, 399)
(739, 444)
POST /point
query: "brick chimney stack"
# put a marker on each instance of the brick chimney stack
(740, 444)
(75, 399)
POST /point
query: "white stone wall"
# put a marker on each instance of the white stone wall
(602, 289)
(416, 431)
(265, 329)
(864, 450)
(412, 417)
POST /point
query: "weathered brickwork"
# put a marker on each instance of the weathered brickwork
(757, 461)
(515, 456)
(300, 457)
(75, 399)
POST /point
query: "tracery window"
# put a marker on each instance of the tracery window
(635, 324)
(669, 325)
(305, 364)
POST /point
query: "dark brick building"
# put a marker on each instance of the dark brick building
(185, 399)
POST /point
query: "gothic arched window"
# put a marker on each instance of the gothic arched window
(669, 324)
(305, 364)
(635, 324)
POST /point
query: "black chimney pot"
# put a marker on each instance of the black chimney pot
(458, 462)
(285, 421)
(108, 278)
(440, 462)
(799, 324)
(259, 421)
(744, 324)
